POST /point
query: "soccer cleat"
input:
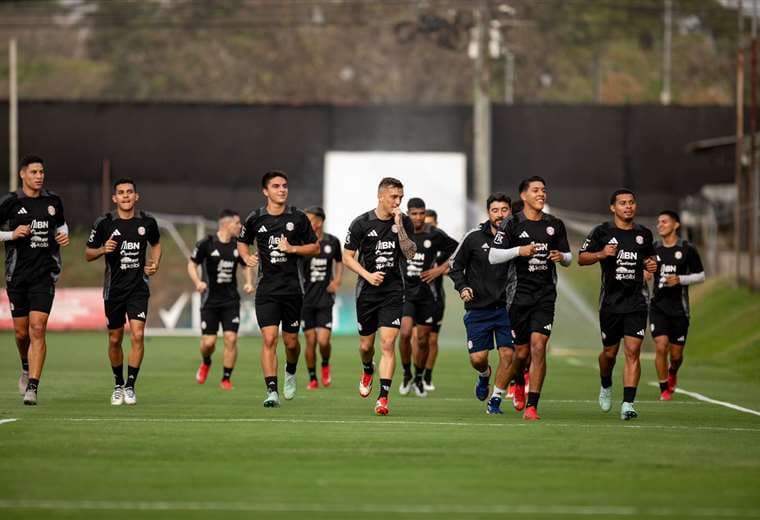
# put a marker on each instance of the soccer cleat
(272, 400)
(313, 385)
(510, 390)
(129, 396)
(419, 389)
(23, 381)
(494, 406)
(666, 395)
(406, 385)
(289, 389)
(381, 406)
(202, 373)
(365, 385)
(481, 388)
(518, 400)
(627, 412)
(531, 414)
(326, 378)
(30, 397)
(605, 399)
(226, 384)
(429, 387)
(672, 382)
(117, 397)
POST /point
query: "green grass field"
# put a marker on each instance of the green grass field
(191, 451)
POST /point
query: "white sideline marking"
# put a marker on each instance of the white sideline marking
(706, 399)
(6, 421)
(558, 510)
(381, 422)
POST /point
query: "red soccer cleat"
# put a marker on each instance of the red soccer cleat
(672, 382)
(527, 381)
(518, 400)
(226, 384)
(531, 414)
(510, 390)
(365, 385)
(666, 395)
(326, 379)
(381, 406)
(313, 385)
(202, 373)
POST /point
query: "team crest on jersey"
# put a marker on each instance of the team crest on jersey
(328, 249)
(427, 244)
(141, 230)
(51, 210)
(678, 255)
(639, 239)
(289, 226)
(550, 231)
(394, 228)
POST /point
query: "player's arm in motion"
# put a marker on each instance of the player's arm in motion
(192, 271)
(458, 270)
(337, 277)
(151, 264)
(93, 253)
(248, 287)
(593, 250)
(350, 261)
(303, 250)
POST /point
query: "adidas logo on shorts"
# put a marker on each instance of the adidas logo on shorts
(141, 315)
(682, 338)
(429, 320)
(372, 233)
(548, 327)
(640, 333)
(524, 234)
(295, 324)
(262, 229)
(396, 322)
(236, 319)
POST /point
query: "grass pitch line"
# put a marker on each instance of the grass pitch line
(6, 421)
(548, 510)
(706, 399)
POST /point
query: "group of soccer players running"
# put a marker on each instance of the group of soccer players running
(504, 271)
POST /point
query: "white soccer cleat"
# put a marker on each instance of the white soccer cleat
(627, 412)
(30, 397)
(289, 390)
(117, 397)
(130, 397)
(429, 387)
(23, 381)
(405, 387)
(272, 400)
(419, 390)
(605, 399)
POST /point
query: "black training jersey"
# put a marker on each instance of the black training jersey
(682, 258)
(623, 288)
(469, 267)
(218, 261)
(124, 266)
(534, 278)
(433, 247)
(318, 272)
(379, 250)
(37, 255)
(279, 272)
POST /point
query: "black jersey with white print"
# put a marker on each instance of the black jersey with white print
(623, 288)
(318, 272)
(680, 259)
(37, 255)
(433, 247)
(124, 266)
(532, 279)
(219, 261)
(379, 250)
(279, 272)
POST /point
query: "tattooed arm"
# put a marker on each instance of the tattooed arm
(408, 247)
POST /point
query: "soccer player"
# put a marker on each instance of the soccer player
(123, 237)
(218, 258)
(679, 266)
(323, 275)
(377, 242)
(283, 236)
(624, 250)
(532, 289)
(421, 298)
(482, 287)
(33, 229)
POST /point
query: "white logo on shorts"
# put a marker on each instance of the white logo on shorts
(682, 338)
(652, 327)
(469, 345)
(141, 315)
(203, 324)
(548, 327)
(236, 319)
(396, 322)
(289, 226)
(294, 324)
(640, 333)
(604, 336)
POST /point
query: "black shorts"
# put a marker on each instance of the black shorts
(134, 307)
(375, 311)
(316, 318)
(440, 308)
(35, 296)
(228, 316)
(422, 312)
(271, 311)
(676, 328)
(527, 319)
(616, 325)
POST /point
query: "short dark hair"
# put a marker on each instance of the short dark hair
(317, 211)
(124, 180)
(431, 213)
(389, 182)
(498, 197)
(672, 214)
(415, 203)
(225, 213)
(30, 159)
(621, 191)
(271, 174)
(525, 183)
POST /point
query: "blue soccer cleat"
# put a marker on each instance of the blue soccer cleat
(481, 388)
(494, 406)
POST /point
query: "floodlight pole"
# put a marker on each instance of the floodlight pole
(12, 117)
(739, 139)
(665, 94)
(752, 174)
(482, 108)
